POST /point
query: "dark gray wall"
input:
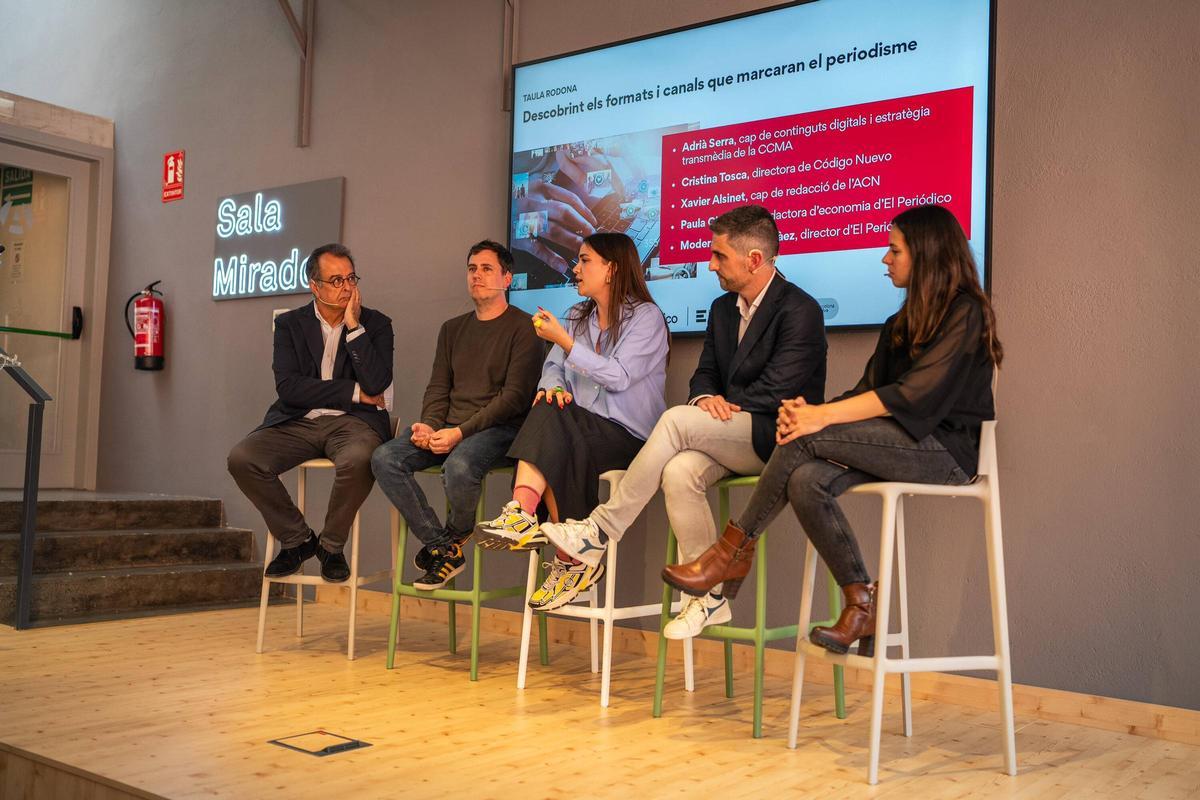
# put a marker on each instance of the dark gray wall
(1094, 279)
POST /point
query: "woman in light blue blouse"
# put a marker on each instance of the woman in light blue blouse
(600, 394)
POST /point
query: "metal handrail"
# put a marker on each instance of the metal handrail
(33, 457)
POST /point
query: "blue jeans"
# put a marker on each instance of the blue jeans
(463, 470)
(813, 470)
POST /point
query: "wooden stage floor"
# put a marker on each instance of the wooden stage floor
(181, 706)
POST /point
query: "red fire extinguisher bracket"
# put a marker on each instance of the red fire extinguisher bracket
(146, 328)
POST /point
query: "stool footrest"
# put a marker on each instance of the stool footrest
(458, 595)
(599, 612)
(902, 665)
(736, 633)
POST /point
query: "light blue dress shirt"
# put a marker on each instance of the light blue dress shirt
(624, 383)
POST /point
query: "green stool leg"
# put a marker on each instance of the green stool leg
(728, 668)
(452, 622)
(661, 669)
(760, 626)
(543, 632)
(401, 544)
(723, 516)
(839, 677)
(476, 573)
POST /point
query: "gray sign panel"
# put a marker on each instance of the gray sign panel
(263, 237)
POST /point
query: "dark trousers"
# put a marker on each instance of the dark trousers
(463, 470)
(572, 447)
(811, 471)
(257, 461)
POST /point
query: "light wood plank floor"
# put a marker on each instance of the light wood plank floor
(181, 706)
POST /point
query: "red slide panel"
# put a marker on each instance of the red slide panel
(834, 178)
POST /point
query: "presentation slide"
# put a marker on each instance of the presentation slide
(836, 115)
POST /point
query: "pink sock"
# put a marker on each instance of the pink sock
(528, 497)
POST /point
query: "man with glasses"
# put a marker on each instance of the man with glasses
(333, 375)
(485, 372)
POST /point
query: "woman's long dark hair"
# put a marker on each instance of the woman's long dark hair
(942, 265)
(628, 285)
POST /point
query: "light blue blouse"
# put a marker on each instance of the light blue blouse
(625, 383)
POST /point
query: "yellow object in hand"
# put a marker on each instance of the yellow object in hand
(538, 322)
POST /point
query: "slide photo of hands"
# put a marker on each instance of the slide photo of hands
(565, 192)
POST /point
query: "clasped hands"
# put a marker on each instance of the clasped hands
(797, 418)
(440, 441)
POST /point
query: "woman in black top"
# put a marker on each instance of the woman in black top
(914, 416)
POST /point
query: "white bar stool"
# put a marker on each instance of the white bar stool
(608, 613)
(301, 580)
(984, 488)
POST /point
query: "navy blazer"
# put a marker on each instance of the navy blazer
(781, 356)
(366, 361)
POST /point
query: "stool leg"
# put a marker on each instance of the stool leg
(301, 491)
(399, 542)
(452, 620)
(883, 602)
(543, 627)
(806, 597)
(353, 587)
(839, 676)
(689, 661)
(266, 593)
(527, 620)
(660, 670)
(594, 630)
(610, 592)
(760, 627)
(728, 668)
(723, 515)
(995, 546)
(476, 577)
(902, 578)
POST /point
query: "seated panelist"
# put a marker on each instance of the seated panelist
(333, 373)
(485, 370)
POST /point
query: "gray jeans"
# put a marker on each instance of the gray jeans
(811, 471)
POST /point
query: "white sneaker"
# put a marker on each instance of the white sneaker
(698, 614)
(579, 538)
(514, 529)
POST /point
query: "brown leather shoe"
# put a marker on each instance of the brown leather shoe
(857, 622)
(728, 561)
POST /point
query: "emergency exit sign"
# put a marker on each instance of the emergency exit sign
(172, 176)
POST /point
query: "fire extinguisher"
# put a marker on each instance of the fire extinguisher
(146, 328)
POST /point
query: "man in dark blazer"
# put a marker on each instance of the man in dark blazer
(333, 375)
(765, 342)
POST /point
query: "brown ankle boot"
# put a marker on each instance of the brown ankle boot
(857, 622)
(728, 561)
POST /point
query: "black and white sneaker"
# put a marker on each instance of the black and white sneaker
(445, 563)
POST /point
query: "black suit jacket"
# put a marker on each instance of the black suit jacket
(366, 361)
(782, 355)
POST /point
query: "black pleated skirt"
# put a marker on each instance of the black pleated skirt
(571, 447)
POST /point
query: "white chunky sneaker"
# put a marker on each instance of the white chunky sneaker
(698, 614)
(514, 529)
(578, 538)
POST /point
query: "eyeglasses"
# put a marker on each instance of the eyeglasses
(337, 281)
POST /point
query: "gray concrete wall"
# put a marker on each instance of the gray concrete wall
(1094, 280)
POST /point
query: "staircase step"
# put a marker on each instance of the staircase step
(109, 513)
(63, 551)
(67, 595)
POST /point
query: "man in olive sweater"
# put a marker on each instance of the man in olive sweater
(484, 375)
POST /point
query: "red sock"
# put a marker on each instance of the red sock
(528, 497)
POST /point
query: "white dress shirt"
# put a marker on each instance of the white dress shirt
(331, 335)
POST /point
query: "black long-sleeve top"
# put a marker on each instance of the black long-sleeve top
(946, 390)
